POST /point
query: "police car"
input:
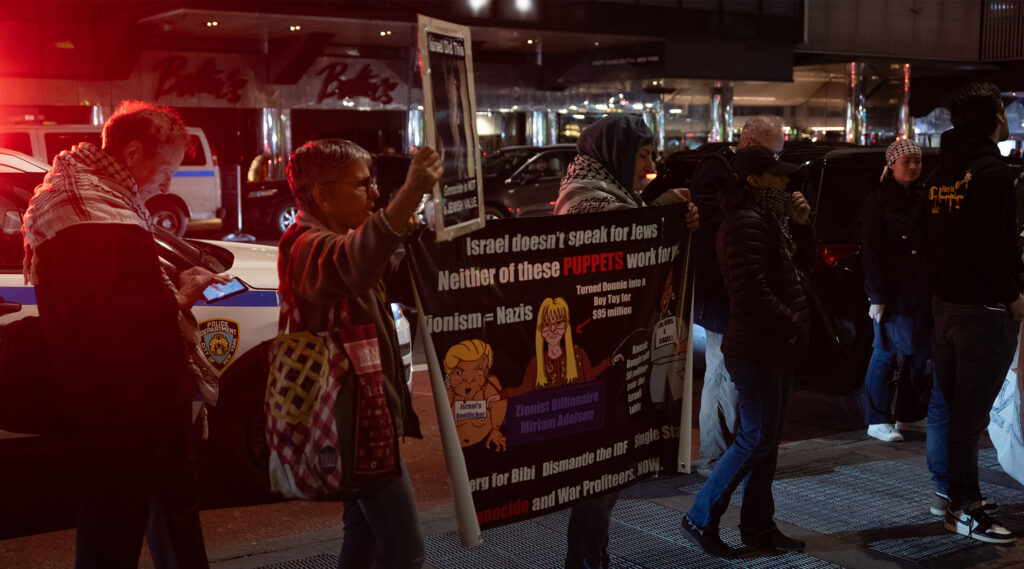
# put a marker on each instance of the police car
(235, 331)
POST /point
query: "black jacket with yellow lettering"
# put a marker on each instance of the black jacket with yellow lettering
(972, 254)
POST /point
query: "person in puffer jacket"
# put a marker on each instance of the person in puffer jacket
(764, 243)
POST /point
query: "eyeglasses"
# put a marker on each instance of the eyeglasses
(371, 183)
(554, 325)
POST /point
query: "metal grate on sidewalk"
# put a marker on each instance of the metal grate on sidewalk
(322, 561)
(643, 535)
(881, 505)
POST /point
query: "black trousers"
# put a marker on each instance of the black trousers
(129, 470)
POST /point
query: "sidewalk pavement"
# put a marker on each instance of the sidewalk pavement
(857, 502)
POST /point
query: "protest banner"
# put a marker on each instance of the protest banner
(559, 345)
(449, 103)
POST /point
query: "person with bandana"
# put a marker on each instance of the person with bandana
(895, 284)
(119, 326)
(764, 245)
(615, 157)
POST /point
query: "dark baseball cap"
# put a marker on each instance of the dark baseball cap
(757, 160)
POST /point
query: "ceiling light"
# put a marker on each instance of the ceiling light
(211, 24)
(524, 5)
(529, 42)
(476, 5)
(579, 117)
(597, 44)
(383, 33)
(675, 111)
(294, 28)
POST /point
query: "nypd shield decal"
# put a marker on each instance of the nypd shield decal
(219, 341)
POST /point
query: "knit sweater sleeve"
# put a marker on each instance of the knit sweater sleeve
(326, 265)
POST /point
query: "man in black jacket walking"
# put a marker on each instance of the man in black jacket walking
(975, 272)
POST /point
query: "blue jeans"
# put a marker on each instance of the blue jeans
(382, 530)
(974, 346)
(763, 392)
(880, 386)
(587, 534)
(938, 430)
(718, 418)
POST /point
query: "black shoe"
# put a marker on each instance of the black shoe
(773, 539)
(706, 538)
(976, 524)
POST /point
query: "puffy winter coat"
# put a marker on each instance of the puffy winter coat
(767, 307)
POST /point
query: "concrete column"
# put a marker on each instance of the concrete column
(414, 130)
(905, 130)
(276, 140)
(721, 112)
(536, 128)
(856, 107)
(552, 136)
(100, 114)
(655, 118)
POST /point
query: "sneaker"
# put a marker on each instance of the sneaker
(706, 538)
(940, 503)
(773, 539)
(976, 524)
(884, 432)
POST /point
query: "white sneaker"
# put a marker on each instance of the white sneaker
(884, 432)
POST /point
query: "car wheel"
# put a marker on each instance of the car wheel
(239, 431)
(491, 212)
(283, 216)
(169, 216)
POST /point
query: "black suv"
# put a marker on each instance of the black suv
(532, 188)
(269, 205)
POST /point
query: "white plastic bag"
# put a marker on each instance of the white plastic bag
(1004, 426)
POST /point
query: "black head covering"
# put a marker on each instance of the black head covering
(614, 141)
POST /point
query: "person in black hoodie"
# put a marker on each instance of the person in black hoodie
(764, 242)
(975, 269)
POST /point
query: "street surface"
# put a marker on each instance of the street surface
(36, 502)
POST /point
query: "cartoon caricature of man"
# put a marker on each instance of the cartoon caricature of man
(668, 349)
(478, 407)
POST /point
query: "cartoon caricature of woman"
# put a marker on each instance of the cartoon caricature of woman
(478, 407)
(563, 361)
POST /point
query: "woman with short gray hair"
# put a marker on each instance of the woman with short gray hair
(334, 264)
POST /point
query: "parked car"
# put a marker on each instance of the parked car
(503, 162)
(194, 200)
(235, 332)
(532, 188)
(270, 206)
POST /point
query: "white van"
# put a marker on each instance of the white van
(194, 201)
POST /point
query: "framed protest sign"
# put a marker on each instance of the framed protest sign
(449, 103)
(558, 349)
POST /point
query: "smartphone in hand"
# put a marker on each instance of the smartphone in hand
(216, 292)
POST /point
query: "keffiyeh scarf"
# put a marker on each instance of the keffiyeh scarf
(773, 206)
(585, 169)
(86, 185)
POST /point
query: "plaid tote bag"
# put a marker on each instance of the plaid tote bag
(329, 429)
